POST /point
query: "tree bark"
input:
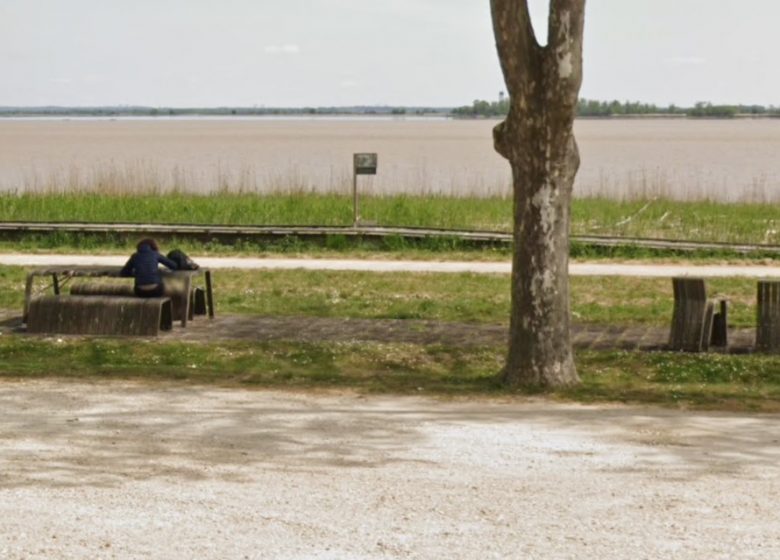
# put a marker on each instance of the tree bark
(538, 140)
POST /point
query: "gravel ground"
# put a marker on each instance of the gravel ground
(122, 470)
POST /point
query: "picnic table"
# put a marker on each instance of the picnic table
(60, 274)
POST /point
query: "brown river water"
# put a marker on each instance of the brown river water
(726, 160)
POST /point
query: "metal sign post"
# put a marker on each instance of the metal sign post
(364, 164)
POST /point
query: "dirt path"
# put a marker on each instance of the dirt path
(575, 269)
(257, 328)
(118, 470)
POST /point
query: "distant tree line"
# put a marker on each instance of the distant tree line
(479, 108)
(141, 111)
(593, 108)
(482, 108)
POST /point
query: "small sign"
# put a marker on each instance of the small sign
(365, 164)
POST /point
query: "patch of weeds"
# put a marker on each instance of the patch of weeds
(336, 242)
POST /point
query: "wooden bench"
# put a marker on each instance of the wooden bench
(695, 325)
(768, 316)
(109, 315)
(60, 275)
(197, 304)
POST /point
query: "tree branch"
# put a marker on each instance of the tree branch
(515, 40)
(564, 46)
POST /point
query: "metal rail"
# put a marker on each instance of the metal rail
(232, 233)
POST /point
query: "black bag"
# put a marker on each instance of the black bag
(183, 262)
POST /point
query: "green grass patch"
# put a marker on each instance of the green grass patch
(337, 246)
(247, 209)
(480, 298)
(343, 246)
(369, 367)
(709, 381)
(726, 382)
(665, 219)
(631, 252)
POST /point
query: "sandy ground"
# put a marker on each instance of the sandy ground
(248, 263)
(118, 470)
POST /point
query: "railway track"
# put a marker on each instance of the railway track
(226, 233)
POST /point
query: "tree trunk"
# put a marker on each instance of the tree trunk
(538, 140)
(540, 351)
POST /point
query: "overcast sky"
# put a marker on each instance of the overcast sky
(372, 52)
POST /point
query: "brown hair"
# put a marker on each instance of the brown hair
(148, 241)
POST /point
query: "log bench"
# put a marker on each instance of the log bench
(695, 324)
(197, 304)
(99, 315)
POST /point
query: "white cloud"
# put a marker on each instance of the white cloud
(282, 49)
(348, 84)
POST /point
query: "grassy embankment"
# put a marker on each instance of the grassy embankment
(706, 381)
(702, 221)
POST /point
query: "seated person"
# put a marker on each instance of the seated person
(143, 266)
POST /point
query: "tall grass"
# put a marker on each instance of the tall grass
(666, 219)
(145, 177)
(246, 209)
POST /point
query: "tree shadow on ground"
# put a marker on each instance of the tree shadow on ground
(104, 434)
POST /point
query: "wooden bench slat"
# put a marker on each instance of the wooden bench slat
(197, 296)
(99, 315)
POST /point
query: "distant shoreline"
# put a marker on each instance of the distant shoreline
(644, 116)
(223, 118)
(347, 117)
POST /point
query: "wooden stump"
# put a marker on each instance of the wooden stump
(694, 323)
(768, 317)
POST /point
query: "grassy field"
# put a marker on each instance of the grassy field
(441, 297)
(712, 381)
(703, 221)
(744, 383)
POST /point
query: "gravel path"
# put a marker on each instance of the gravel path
(575, 268)
(119, 470)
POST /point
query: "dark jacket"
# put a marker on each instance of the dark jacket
(143, 266)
